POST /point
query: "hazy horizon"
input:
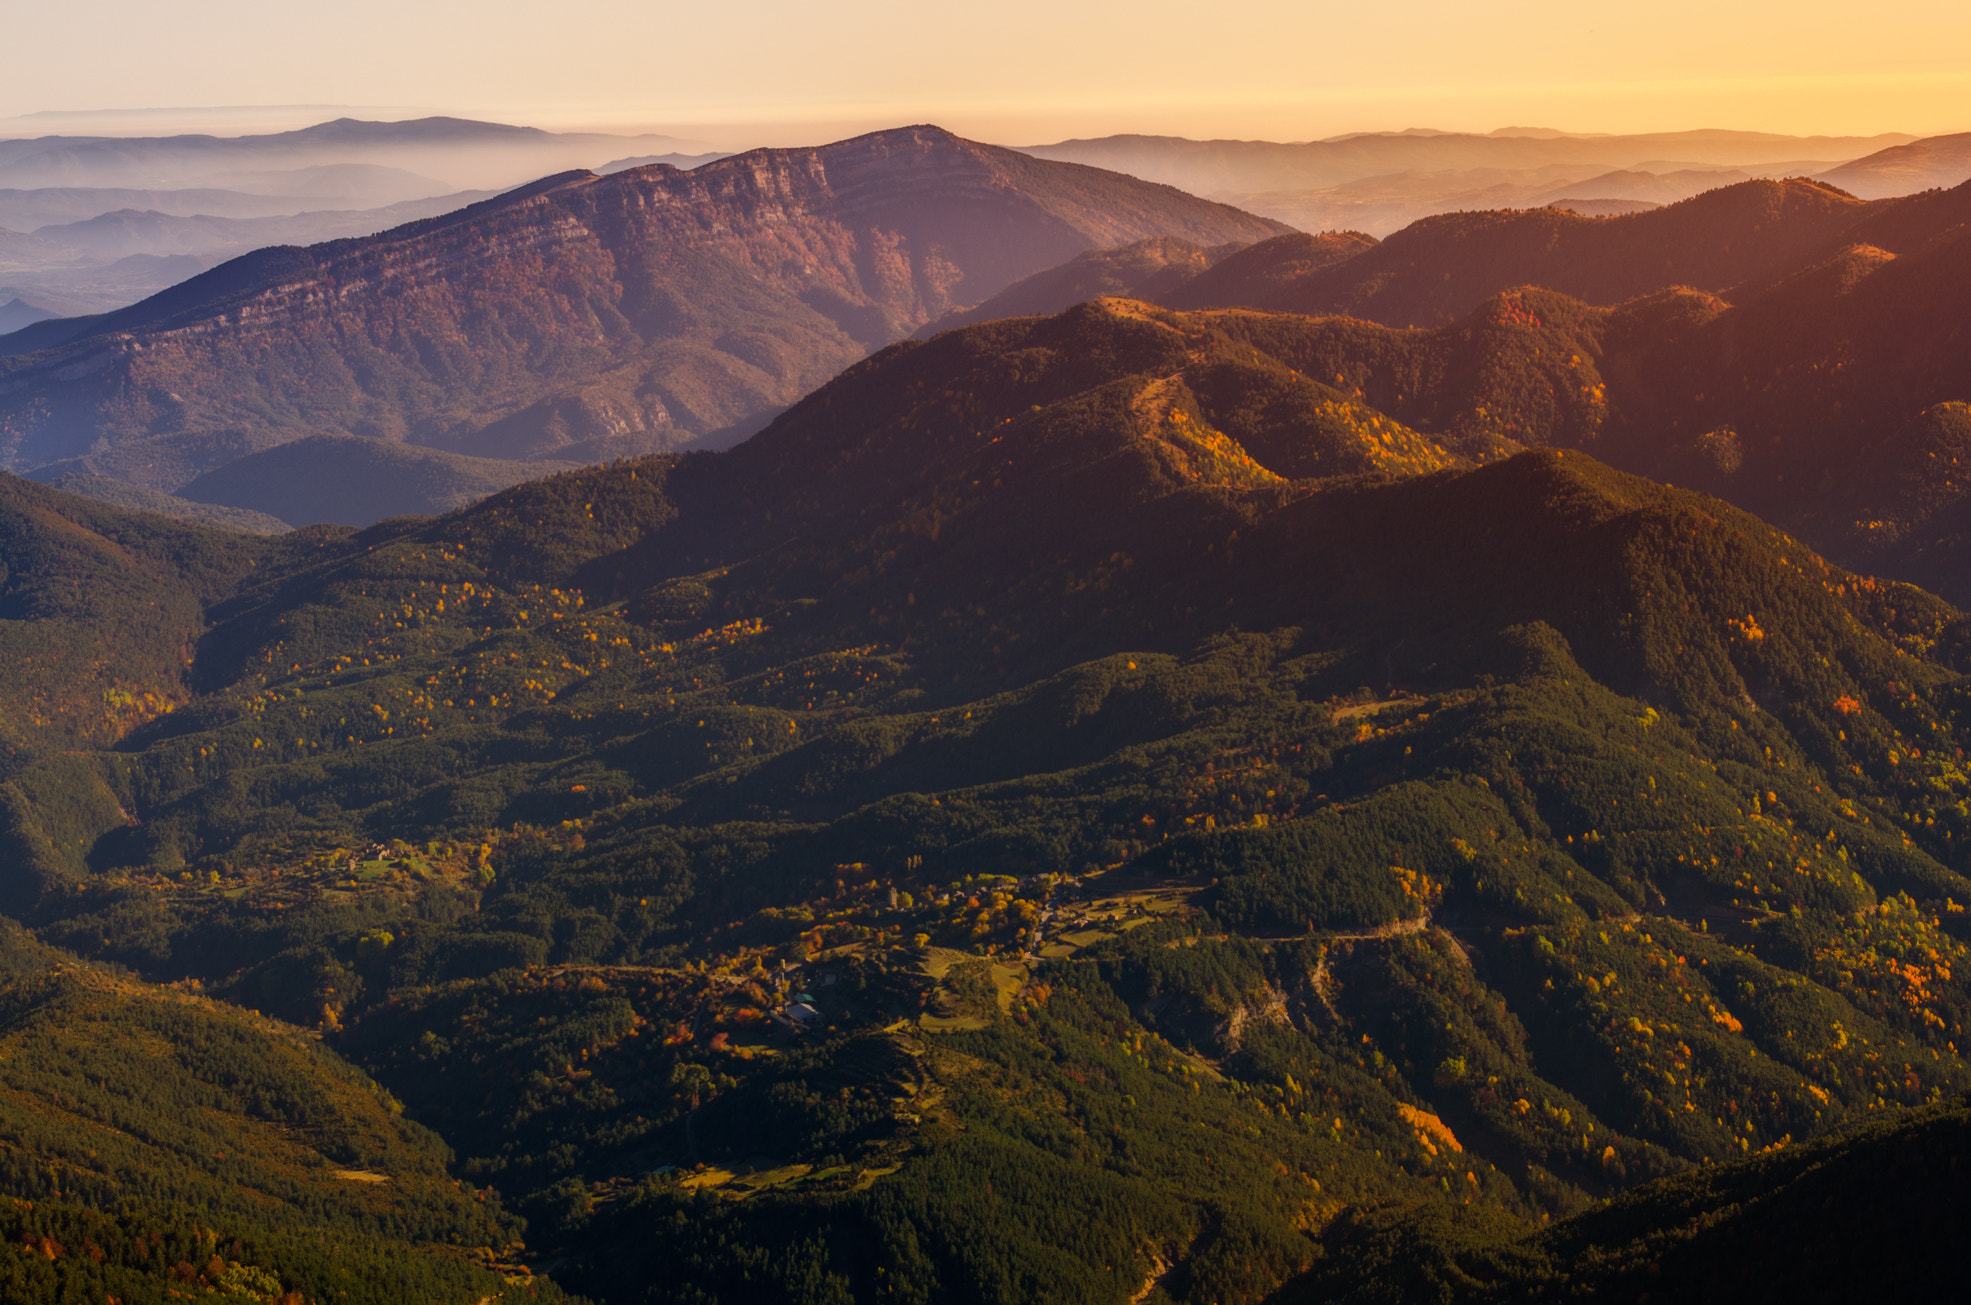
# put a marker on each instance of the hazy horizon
(1027, 74)
(232, 121)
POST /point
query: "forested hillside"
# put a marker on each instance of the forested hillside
(1826, 397)
(99, 612)
(161, 1144)
(1080, 808)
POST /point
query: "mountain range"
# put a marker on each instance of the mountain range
(1824, 393)
(580, 318)
(113, 258)
(1439, 269)
(122, 232)
(701, 347)
(1245, 166)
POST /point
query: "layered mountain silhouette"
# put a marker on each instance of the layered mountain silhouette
(461, 151)
(1936, 162)
(582, 317)
(1210, 167)
(1380, 182)
(122, 232)
(1613, 354)
(356, 186)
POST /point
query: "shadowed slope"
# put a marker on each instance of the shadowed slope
(1146, 269)
(353, 481)
(1781, 1227)
(117, 493)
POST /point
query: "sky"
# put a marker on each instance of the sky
(748, 72)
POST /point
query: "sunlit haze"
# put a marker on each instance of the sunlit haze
(774, 71)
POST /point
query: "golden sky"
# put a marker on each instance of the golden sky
(1017, 71)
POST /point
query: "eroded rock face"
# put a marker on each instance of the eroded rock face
(645, 310)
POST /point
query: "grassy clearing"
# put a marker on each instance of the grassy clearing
(760, 1180)
(713, 1177)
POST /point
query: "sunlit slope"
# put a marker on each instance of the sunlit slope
(1781, 344)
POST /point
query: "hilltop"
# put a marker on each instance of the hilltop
(1270, 273)
(581, 315)
(1077, 805)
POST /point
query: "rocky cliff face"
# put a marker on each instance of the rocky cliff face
(582, 317)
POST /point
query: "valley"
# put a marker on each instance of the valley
(1590, 833)
(902, 719)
